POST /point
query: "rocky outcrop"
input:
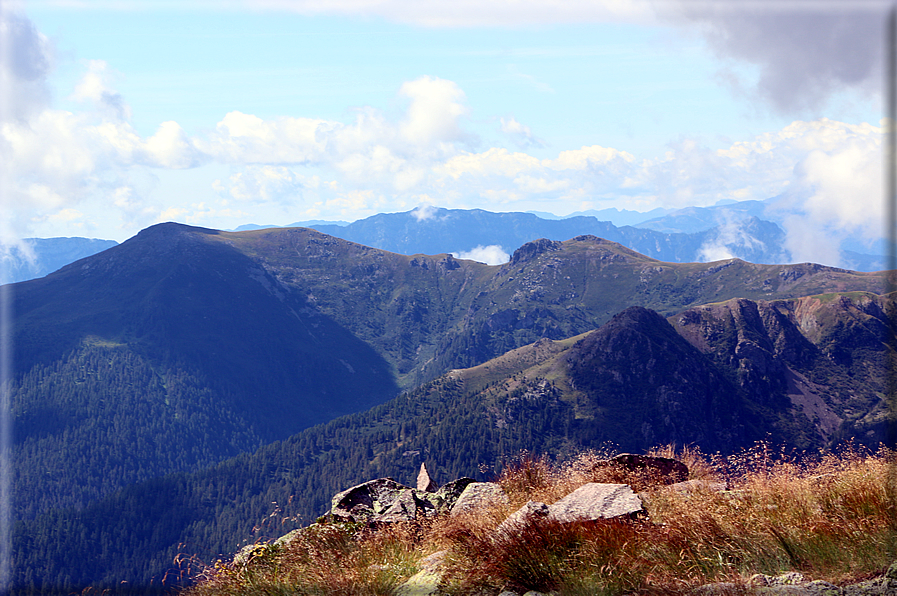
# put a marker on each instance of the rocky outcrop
(386, 501)
(795, 584)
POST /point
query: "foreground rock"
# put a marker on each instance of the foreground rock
(426, 581)
(594, 501)
(589, 502)
(530, 513)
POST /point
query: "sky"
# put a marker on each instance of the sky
(119, 114)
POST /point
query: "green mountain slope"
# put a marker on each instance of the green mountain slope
(718, 376)
(426, 315)
(167, 353)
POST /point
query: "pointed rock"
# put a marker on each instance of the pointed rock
(424, 482)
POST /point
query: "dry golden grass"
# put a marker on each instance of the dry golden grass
(831, 517)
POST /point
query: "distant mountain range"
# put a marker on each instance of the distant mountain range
(748, 230)
(183, 347)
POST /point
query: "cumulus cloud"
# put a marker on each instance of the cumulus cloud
(433, 113)
(491, 255)
(267, 184)
(733, 238)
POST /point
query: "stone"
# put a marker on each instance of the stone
(424, 482)
(698, 484)
(426, 581)
(596, 501)
(447, 494)
(660, 470)
(405, 508)
(288, 538)
(363, 502)
(478, 495)
(517, 521)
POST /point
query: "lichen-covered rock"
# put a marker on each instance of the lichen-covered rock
(363, 502)
(447, 495)
(596, 501)
(386, 501)
(479, 495)
(426, 581)
(409, 505)
(697, 485)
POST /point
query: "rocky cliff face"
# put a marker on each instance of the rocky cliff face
(826, 355)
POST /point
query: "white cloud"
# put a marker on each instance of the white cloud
(585, 157)
(94, 87)
(520, 134)
(424, 212)
(491, 255)
(433, 113)
(26, 58)
(171, 148)
(732, 237)
(267, 184)
(470, 13)
(492, 162)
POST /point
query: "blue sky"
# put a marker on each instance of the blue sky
(121, 114)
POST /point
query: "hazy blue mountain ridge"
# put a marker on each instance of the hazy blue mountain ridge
(36, 257)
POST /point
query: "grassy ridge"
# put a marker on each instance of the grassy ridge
(831, 517)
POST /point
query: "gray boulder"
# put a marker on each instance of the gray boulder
(447, 495)
(363, 502)
(386, 501)
(596, 501)
(517, 521)
(478, 495)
